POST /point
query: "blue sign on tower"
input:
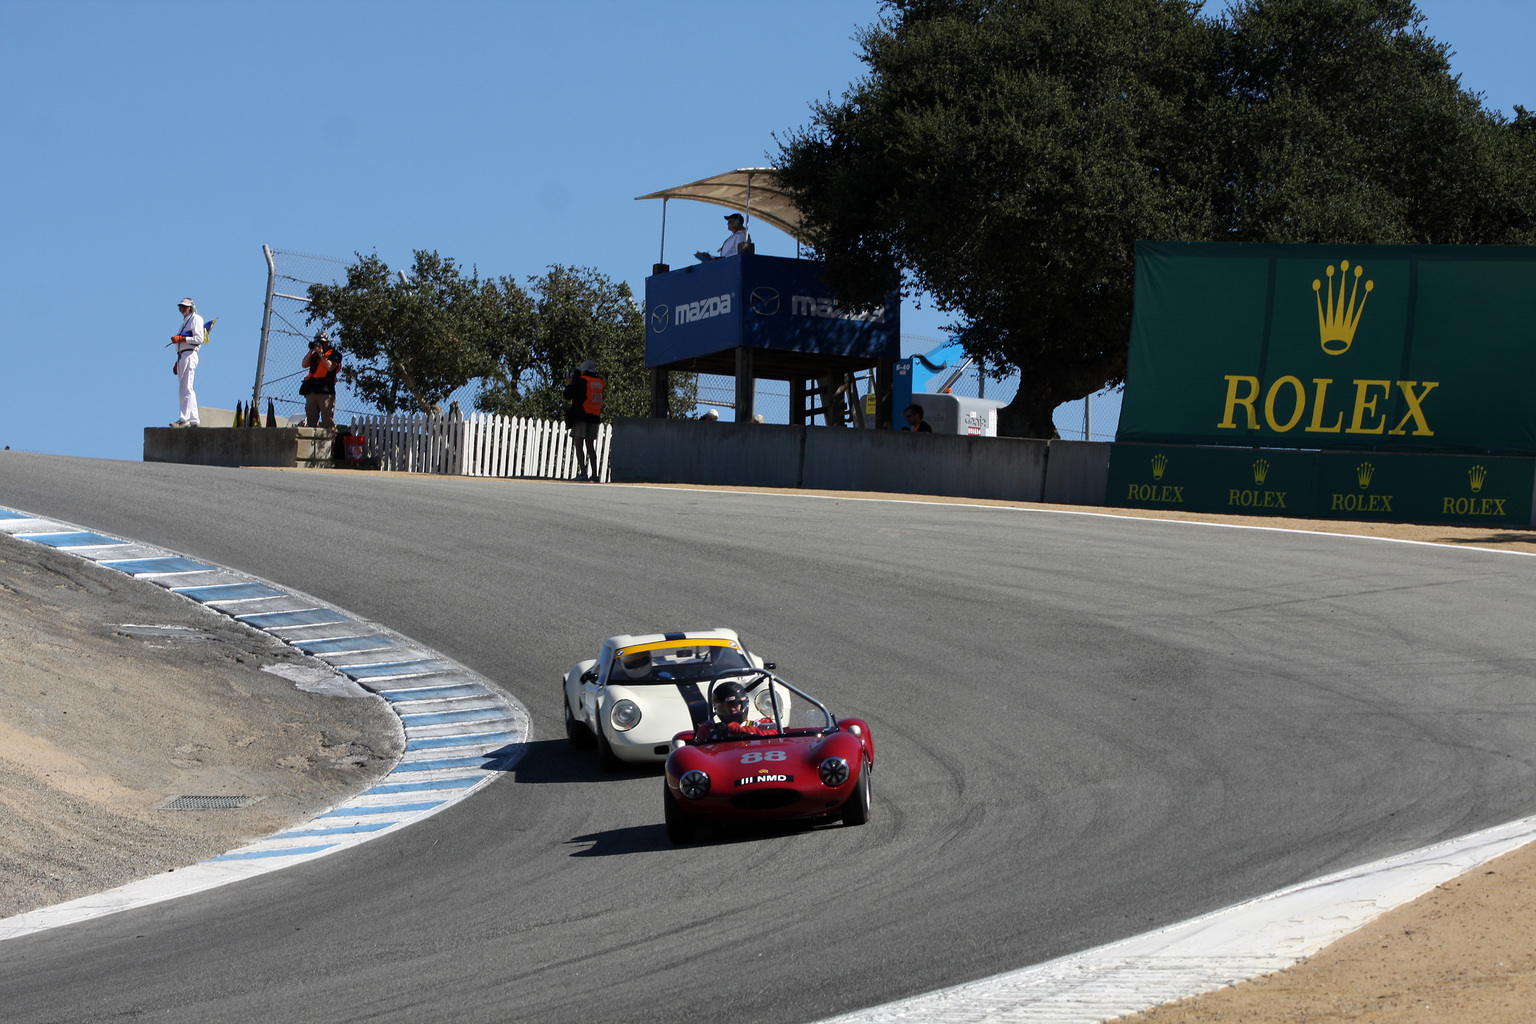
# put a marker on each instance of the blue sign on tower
(767, 303)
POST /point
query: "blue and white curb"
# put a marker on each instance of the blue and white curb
(462, 732)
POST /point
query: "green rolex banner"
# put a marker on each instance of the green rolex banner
(1472, 490)
(1383, 347)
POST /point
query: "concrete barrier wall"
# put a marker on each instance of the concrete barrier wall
(695, 452)
(1077, 472)
(770, 455)
(228, 446)
(948, 464)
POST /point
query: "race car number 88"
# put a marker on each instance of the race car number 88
(767, 755)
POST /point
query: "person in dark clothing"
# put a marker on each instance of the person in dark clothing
(915, 421)
(319, 385)
(730, 704)
(583, 412)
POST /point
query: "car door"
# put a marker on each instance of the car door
(592, 685)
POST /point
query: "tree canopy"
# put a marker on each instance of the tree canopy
(411, 342)
(573, 314)
(1005, 155)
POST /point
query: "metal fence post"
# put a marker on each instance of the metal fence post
(266, 326)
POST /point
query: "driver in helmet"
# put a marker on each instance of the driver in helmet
(635, 664)
(730, 706)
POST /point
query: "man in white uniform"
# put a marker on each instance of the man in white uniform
(188, 340)
(737, 225)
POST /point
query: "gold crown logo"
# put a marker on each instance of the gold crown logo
(1336, 322)
(1476, 475)
(1159, 463)
(1260, 470)
(1363, 473)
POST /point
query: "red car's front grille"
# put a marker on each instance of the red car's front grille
(765, 799)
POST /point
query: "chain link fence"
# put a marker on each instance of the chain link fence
(286, 333)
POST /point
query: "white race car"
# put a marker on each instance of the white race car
(641, 691)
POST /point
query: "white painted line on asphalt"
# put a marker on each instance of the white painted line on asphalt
(401, 798)
(1258, 937)
(1085, 514)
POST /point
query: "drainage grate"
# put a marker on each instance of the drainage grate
(207, 803)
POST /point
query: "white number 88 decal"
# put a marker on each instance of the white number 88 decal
(754, 756)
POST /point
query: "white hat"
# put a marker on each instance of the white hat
(589, 367)
(711, 414)
(186, 302)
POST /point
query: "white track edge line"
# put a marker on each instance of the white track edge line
(1091, 515)
(1238, 943)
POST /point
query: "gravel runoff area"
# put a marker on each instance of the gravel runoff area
(103, 721)
(117, 697)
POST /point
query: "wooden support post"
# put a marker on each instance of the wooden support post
(746, 385)
(661, 387)
(885, 400)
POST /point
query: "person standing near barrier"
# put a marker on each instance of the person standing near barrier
(319, 387)
(188, 341)
(584, 411)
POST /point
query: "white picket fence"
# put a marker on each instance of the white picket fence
(478, 445)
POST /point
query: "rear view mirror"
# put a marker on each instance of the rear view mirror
(590, 675)
(770, 665)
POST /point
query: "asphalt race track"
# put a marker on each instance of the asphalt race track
(1085, 727)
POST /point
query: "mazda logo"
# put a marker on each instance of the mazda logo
(659, 318)
(765, 301)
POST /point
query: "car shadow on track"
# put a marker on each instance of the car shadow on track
(553, 761)
(650, 838)
(617, 842)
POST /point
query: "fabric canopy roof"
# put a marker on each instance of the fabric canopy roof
(734, 189)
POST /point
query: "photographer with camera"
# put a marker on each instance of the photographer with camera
(319, 387)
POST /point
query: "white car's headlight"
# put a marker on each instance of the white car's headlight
(764, 702)
(694, 784)
(834, 771)
(625, 715)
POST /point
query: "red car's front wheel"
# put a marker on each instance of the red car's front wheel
(680, 827)
(856, 810)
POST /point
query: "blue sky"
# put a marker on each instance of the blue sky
(153, 148)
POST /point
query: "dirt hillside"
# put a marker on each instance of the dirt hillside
(116, 696)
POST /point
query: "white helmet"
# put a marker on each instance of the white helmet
(712, 414)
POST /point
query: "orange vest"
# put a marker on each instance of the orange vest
(321, 368)
(593, 405)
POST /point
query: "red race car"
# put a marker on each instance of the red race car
(795, 763)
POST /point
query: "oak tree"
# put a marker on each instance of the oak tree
(1005, 155)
